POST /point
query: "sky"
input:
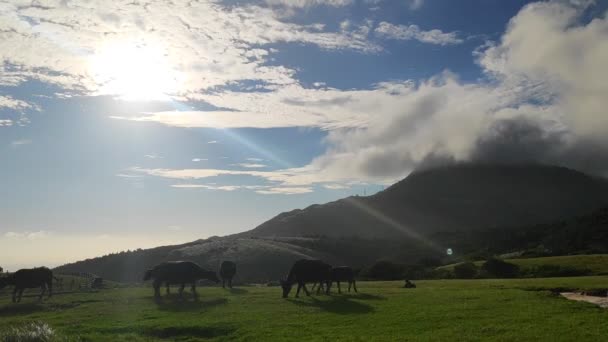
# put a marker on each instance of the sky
(132, 124)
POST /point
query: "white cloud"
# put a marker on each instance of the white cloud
(403, 32)
(415, 4)
(544, 101)
(255, 159)
(199, 159)
(35, 235)
(200, 45)
(251, 165)
(212, 142)
(285, 191)
(309, 3)
(153, 156)
(15, 104)
(17, 143)
(288, 106)
(335, 186)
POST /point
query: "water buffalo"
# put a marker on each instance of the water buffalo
(344, 273)
(307, 271)
(27, 279)
(227, 272)
(178, 272)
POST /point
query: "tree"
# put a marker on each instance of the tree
(500, 269)
(465, 270)
(1, 269)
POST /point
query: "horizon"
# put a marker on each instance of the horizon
(123, 127)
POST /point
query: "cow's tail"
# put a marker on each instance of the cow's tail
(148, 275)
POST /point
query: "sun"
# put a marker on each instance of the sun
(134, 72)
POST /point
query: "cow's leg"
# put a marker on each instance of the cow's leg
(20, 295)
(42, 291)
(339, 288)
(181, 290)
(223, 283)
(298, 291)
(319, 288)
(328, 284)
(156, 285)
(194, 289)
(168, 287)
(230, 282)
(355, 285)
(305, 289)
(314, 286)
(15, 294)
(350, 284)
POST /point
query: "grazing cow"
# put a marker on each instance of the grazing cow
(344, 273)
(41, 277)
(307, 271)
(178, 272)
(227, 272)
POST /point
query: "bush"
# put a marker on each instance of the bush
(500, 269)
(384, 270)
(465, 270)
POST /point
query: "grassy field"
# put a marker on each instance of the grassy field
(596, 263)
(438, 310)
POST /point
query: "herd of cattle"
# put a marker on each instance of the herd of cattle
(303, 271)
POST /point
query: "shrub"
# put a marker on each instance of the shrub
(384, 270)
(465, 270)
(500, 269)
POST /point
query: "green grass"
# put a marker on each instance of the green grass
(438, 310)
(596, 263)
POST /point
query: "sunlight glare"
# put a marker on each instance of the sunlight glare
(134, 72)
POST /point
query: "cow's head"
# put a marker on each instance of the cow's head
(286, 287)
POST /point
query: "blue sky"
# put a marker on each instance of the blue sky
(135, 125)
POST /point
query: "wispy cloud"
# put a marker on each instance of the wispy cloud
(35, 235)
(413, 32)
(196, 160)
(251, 165)
(17, 143)
(285, 191)
(212, 142)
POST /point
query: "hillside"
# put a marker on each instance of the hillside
(456, 198)
(475, 210)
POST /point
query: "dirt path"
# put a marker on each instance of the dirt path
(600, 301)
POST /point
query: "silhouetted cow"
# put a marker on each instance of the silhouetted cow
(178, 272)
(344, 273)
(227, 272)
(307, 271)
(27, 279)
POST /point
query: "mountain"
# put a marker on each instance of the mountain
(470, 208)
(457, 198)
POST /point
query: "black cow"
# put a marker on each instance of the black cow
(178, 272)
(41, 277)
(307, 271)
(344, 273)
(227, 272)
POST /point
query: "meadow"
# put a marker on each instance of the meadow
(437, 310)
(594, 264)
